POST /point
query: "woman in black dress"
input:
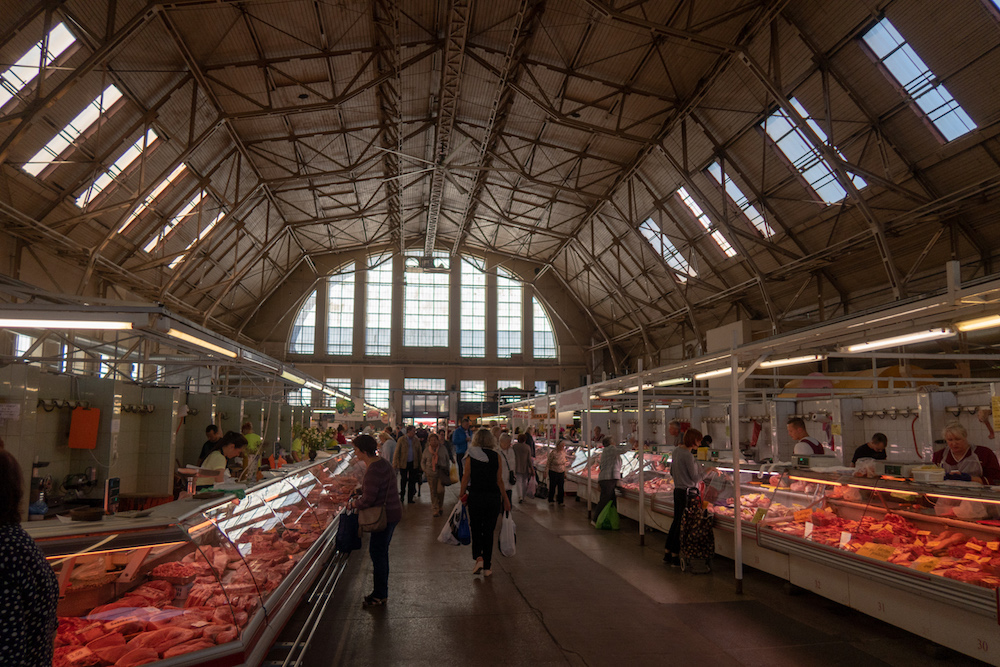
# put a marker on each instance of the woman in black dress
(483, 481)
(29, 591)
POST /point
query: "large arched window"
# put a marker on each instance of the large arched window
(544, 337)
(473, 307)
(304, 329)
(508, 314)
(425, 300)
(340, 312)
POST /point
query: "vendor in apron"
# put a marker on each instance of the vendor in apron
(962, 461)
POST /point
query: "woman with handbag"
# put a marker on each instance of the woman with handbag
(435, 463)
(484, 492)
(686, 474)
(379, 510)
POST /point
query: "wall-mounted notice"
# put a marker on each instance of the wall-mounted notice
(10, 411)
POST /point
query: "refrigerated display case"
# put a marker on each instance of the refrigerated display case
(197, 581)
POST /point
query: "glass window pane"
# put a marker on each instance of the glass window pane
(508, 314)
(472, 309)
(378, 319)
(665, 248)
(304, 328)
(472, 391)
(740, 199)
(425, 300)
(377, 392)
(544, 337)
(66, 136)
(24, 71)
(340, 312)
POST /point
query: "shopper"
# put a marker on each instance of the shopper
(226, 449)
(962, 461)
(686, 474)
(29, 590)
(530, 439)
(212, 433)
(460, 440)
(611, 472)
(406, 459)
(507, 465)
(252, 452)
(341, 435)
(524, 467)
(483, 491)
(556, 465)
(377, 489)
(434, 462)
(674, 431)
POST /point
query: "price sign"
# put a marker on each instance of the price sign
(809, 530)
(925, 563)
(802, 515)
(973, 546)
(995, 403)
(877, 551)
(993, 546)
(845, 537)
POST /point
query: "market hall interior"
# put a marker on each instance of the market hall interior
(573, 595)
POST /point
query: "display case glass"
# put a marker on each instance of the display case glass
(948, 530)
(195, 576)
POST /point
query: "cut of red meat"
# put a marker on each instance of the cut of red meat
(179, 570)
(113, 654)
(110, 639)
(139, 656)
(90, 632)
(163, 639)
(220, 634)
(187, 647)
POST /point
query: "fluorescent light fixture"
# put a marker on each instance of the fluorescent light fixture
(328, 391)
(713, 374)
(916, 337)
(314, 385)
(200, 342)
(292, 377)
(594, 397)
(791, 361)
(711, 359)
(635, 388)
(600, 410)
(896, 316)
(615, 392)
(672, 382)
(990, 322)
(22, 323)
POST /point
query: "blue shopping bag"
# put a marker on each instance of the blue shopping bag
(464, 533)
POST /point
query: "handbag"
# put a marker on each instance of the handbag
(608, 518)
(453, 472)
(444, 476)
(447, 534)
(372, 519)
(532, 486)
(508, 536)
(348, 535)
(542, 491)
(463, 533)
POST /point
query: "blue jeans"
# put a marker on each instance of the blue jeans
(378, 548)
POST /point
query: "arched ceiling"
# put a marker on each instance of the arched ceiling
(542, 130)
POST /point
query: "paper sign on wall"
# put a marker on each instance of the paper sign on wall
(11, 411)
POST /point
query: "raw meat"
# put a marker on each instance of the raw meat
(110, 639)
(220, 634)
(74, 656)
(179, 570)
(113, 654)
(139, 656)
(187, 647)
(161, 640)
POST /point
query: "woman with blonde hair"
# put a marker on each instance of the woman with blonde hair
(484, 492)
(965, 462)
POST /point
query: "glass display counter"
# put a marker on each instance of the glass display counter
(198, 581)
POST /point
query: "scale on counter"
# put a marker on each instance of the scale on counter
(111, 488)
(897, 468)
(815, 460)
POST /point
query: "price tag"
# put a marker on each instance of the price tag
(877, 551)
(79, 654)
(972, 557)
(973, 546)
(845, 537)
(923, 532)
(118, 622)
(993, 546)
(925, 563)
(809, 530)
(759, 515)
(802, 515)
(200, 624)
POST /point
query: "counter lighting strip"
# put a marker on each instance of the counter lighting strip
(90, 551)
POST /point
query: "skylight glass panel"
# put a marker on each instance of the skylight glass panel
(425, 301)
(741, 200)
(907, 69)
(116, 169)
(24, 71)
(662, 245)
(156, 192)
(340, 312)
(805, 157)
(377, 392)
(544, 338)
(83, 121)
(205, 232)
(304, 328)
(473, 308)
(378, 319)
(472, 391)
(185, 211)
(508, 314)
(706, 222)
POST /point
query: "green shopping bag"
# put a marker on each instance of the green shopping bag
(608, 519)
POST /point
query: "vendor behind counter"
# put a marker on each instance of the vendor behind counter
(963, 461)
(228, 448)
(873, 449)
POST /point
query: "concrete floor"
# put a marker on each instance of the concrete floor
(577, 596)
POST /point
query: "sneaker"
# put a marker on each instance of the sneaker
(478, 568)
(372, 601)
